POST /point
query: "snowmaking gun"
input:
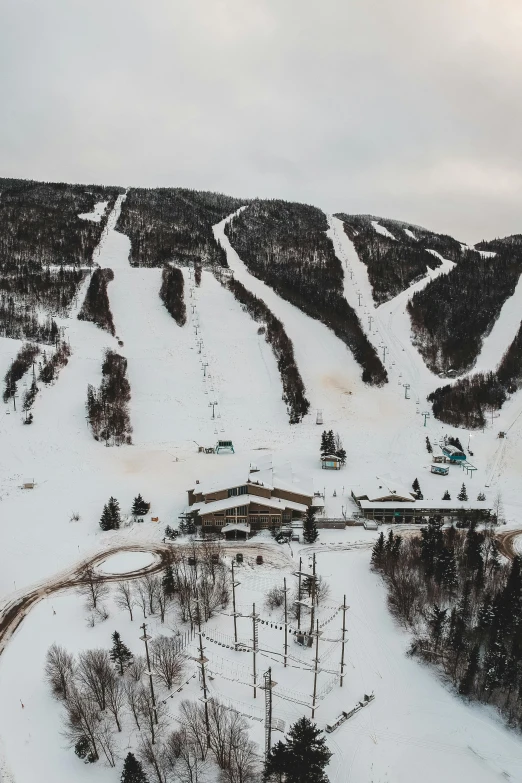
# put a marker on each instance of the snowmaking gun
(347, 715)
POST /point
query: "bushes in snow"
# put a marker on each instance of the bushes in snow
(19, 366)
(293, 387)
(171, 293)
(463, 606)
(96, 306)
(52, 364)
(19, 323)
(107, 407)
(174, 224)
(285, 245)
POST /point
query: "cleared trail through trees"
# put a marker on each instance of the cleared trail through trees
(329, 371)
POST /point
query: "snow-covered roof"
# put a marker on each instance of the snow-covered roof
(433, 505)
(449, 449)
(245, 500)
(382, 487)
(241, 526)
(265, 477)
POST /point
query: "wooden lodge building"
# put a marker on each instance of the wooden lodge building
(250, 500)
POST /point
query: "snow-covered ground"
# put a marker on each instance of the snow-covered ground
(415, 727)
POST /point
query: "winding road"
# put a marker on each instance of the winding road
(15, 610)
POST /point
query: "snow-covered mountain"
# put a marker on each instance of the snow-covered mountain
(345, 320)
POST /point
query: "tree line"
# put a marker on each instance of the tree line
(108, 406)
(285, 245)
(40, 229)
(451, 316)
(96, 307)
(172, 293)
(463, 606)
(174, 224)
(469, 401)
(294, 392)
(392, 264)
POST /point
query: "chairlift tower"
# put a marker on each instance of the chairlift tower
(426, 415)
(406, 390)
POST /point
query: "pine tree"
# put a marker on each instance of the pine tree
(468, 680)
(481, 496)
(187, 525)
(276, 763)
(310, 533)
(417, 490)
(114, 513)
(140, 507)
(168, 582)
(120, 654)
(133, 770)
(324, 442)
(106, 519)
(463, 495)
(306, 753)
(446, 496)
(377, 559)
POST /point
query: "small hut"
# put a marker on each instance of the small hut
(331, 462)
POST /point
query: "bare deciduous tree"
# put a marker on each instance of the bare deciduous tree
(125, 597)
(82, 720)
(133, 700)
(153, 757)
(136, 667)
(59, 671)
(92, 587)
(192, 718)
(94, 673)
(115, 698)
(167, 660)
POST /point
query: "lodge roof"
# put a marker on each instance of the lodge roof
(245, 500)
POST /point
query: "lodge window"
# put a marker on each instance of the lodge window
(263, 520)
(234, 491)
(242, 511)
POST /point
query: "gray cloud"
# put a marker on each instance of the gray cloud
(410, 109)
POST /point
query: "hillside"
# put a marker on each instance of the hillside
(396, 254)
(249, 322)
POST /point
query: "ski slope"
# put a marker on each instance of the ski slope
(416, 727)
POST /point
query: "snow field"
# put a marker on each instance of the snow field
(416, 727)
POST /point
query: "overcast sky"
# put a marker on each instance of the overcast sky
(409, 109)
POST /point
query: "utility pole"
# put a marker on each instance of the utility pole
(202, 661)
(286, 623)
(343, 641)
(268, 711)
(234, 605)
(316, 664)
(254, 646)
(145, 639)
(312, 608)
(299, 595)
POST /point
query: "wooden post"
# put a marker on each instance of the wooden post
(234, 605)
(316, 663)
(343, 641)
(286, 625)
(312, 609)
(299, 595)
(254, 646)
